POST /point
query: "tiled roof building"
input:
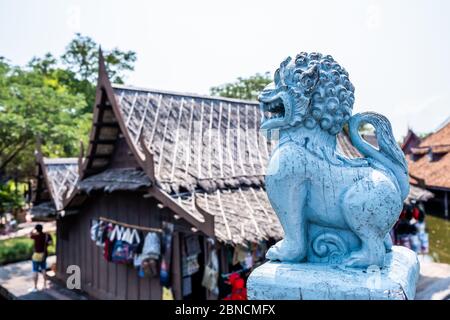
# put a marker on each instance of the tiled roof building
(429, 165)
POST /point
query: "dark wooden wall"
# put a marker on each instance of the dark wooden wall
(122, 156)
(107, 280)
(102, 279)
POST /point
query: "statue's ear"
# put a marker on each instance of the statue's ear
(276, 78)
(309, 78)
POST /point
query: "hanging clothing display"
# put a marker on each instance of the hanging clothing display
(94, 228)
(248, 261)
(164, 273)
(192, 245)
(108, 244)
(187, 286)
(410, 231)
(117, 233)
(167, 293)
(122, 252)
(211, 273)
(240, 253)
(152, 246)
(147, 260)
(148, 268)
(190, 249)
(125, 244)
(189, 265)
(97, 232)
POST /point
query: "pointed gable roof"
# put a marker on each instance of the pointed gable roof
(56, 178)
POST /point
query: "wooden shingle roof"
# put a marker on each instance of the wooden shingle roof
(240, 215)
(197, 142)
(56, 178)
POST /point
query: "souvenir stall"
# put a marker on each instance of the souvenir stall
(149, 251)
(410, 229)
(240, 262)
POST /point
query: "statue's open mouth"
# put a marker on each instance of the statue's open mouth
(273, 111)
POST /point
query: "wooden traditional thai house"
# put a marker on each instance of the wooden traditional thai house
(429, 168)
(154, 156)
(55, 178)
(195, 161)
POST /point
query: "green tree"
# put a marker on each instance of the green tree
(35, 105)
(81, 57)
(243, 88)
(10, 197)
(80, 66)
(50, 98)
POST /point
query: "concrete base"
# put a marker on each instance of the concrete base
(312, 281)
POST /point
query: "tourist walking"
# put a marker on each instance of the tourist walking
(41, 242)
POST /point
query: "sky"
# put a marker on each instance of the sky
(397, 52)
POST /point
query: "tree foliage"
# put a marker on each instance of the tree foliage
(34, 105)
(10, 197)
(243, 88)
(51, 98)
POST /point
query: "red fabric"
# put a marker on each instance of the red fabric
(108, 244)
(416, 213)
(403, 214)
(107, 250)
(238, 290)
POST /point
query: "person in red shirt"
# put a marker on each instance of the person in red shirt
(41, 242)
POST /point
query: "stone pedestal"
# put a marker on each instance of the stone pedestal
(312, 281)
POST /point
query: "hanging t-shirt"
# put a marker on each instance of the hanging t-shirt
(187, 286)
(193, 245)
(166, 253)
(123, 252)
(108, 244)
(190, 265)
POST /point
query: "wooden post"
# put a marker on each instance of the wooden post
(446, 204)
(176, 267)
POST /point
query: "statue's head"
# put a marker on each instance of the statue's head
(312, 90)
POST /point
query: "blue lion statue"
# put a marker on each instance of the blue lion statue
(333, 209)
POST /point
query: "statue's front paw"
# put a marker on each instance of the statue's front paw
(273, 254)
(285, 252)
(356, 261)
(361, 259)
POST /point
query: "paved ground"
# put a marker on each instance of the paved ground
(16, 279)
(434, 283)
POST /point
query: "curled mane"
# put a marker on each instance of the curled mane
(332, 95)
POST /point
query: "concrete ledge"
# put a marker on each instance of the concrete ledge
(312, 281)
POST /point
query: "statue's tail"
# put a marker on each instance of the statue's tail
(388, 154)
